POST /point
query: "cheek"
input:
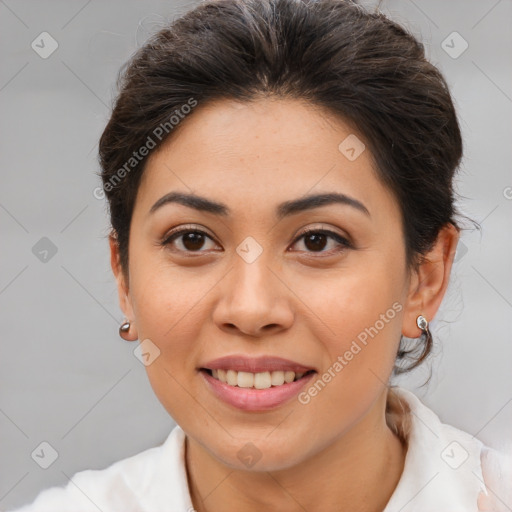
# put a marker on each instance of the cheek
(361, 319)
(166, 298)
(360, 344)
(169, 308)
(167, 313)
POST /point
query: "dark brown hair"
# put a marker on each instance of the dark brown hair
(359, 65)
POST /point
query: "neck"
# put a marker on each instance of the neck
(356, 473)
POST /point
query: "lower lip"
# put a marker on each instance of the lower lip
(250, 399)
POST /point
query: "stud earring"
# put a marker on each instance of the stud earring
(422, 323)
(124, 329)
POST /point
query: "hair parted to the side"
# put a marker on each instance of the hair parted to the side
(356, 64)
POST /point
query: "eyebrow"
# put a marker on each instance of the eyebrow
(284, 209)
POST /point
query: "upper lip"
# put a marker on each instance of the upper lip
(242, 363)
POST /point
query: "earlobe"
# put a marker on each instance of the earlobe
(129, 334)
(429, 283)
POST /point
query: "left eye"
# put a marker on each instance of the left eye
(315, 240)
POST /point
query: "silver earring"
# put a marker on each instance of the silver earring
(422, 323)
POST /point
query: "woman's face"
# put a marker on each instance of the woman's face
(251, 285)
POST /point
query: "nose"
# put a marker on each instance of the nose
(254, 300)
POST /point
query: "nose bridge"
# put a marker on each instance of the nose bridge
(251, 285)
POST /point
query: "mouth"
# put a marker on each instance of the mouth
(255, 391)
(255, 383)
(258, 380)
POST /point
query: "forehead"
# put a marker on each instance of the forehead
(262, 152)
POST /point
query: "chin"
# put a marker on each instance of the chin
(259, 454)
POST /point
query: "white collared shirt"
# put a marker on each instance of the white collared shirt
(442, 473)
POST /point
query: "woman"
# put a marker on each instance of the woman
(280, 182)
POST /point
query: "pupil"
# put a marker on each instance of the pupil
(193, 241)
(314, 238)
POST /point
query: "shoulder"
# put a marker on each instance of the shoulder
(121, 486)
(445, 467)
(497, 476)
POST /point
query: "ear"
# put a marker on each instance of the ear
(122, 287)
(429, 282)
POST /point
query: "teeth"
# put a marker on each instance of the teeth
(277, 378)
(289, 376)
(245, 379)
(232, 377)
(260, 380)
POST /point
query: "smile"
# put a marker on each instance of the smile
(260, 380)
(261, 391)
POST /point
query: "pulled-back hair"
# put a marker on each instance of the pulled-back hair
(359, 65)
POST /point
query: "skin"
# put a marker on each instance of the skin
(336, 452)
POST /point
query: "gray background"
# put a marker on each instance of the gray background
(66, 376)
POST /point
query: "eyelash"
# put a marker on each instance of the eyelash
(170, 237)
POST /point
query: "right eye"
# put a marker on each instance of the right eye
(190, 240)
